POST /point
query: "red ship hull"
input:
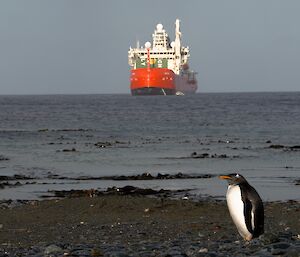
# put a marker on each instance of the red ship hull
(152, 81)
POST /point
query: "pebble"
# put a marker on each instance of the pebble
(96, 252)
(203, 250)
(52, 250)
(279, 248)
(182, 246)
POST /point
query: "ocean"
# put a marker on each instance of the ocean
(53, 136)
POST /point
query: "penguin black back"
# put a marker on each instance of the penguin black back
(253, 209)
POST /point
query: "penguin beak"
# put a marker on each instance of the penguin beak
(224, 177)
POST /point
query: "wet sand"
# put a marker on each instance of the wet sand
(126, 225)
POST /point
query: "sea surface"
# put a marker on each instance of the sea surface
(53, 136)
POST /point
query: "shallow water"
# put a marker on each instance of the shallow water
(154, 134)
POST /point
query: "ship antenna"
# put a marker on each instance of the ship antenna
(148, 45)
(177, 46)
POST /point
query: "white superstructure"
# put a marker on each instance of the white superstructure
(163, 53)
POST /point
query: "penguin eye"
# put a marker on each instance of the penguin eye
(237, 175)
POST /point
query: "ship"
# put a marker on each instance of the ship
(161, 68)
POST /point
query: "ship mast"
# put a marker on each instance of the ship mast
(148, 45)
(177, 47)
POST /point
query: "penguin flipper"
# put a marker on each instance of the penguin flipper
(258, 220)
(248, 214)
(257, 213)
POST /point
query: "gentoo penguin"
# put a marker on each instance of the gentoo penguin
(245, 206)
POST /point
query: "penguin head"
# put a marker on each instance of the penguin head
(234, 178)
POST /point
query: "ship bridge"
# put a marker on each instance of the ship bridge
(160, 38)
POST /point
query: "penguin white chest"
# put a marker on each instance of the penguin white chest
(236, 210)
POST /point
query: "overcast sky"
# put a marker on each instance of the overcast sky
(80, 46)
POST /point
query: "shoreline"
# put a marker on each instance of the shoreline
(28, 187)
(138, 225)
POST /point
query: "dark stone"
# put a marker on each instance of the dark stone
(276, 146)
(69, 150)
(144, 176)
(126, 190)
(179, 175)
(162, 176)
(201, 156)
(269, 238)
(293, 251)
(286, 148)
(74, 193)
(3, 158)
(103, 144)
(295, 147)
(280, 245)
(15, 177)
(193, 154)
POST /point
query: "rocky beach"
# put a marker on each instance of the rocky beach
(130, 223)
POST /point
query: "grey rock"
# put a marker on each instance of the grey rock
(176, 255)
(293, 252)
(81, 252)
(116, 254)
(278, 251)
(282, 246)
(53, 250)
(144, 254)
(279, 248)
(269, 238)
(262, 252)
(209, 254)
(192, 250)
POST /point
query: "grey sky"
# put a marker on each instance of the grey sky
(80, 46)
